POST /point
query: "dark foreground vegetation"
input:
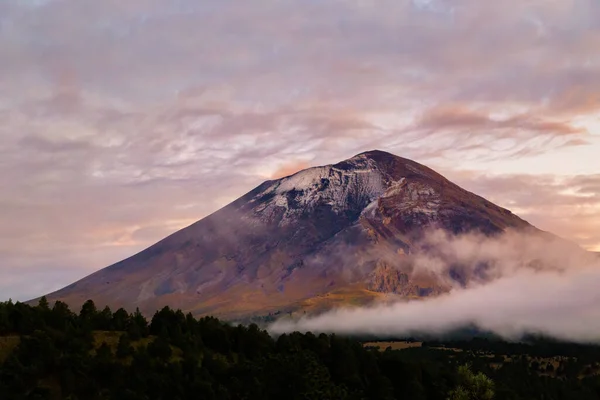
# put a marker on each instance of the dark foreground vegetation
(52, 353)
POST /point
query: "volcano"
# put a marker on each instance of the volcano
(326, 236)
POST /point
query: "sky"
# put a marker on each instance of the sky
(124, 121)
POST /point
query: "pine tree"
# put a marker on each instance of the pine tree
(43, 304)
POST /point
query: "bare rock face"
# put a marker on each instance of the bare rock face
(322, 230)
(388, 279)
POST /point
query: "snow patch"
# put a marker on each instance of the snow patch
(357, 183)
(336, 187)
(370, 210)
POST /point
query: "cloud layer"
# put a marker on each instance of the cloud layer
(557, 295)
(120, 129)
(562, 306)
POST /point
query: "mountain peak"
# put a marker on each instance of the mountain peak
(391, 165)
(377, 155)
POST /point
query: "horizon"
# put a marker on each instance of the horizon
(119, 131)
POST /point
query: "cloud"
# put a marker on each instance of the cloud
(452, 130)
(565, 307)
(561, 303)
(456, 117)
(290, 169)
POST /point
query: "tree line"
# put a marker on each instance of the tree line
(100, 354)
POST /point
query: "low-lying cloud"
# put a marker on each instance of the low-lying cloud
(558, 296)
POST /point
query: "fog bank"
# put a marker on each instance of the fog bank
(559, 296)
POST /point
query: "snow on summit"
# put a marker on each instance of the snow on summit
(356, 184)
(339, 188)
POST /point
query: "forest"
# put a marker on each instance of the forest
(52, 352)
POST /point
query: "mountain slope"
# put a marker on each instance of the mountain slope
(344, 230)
